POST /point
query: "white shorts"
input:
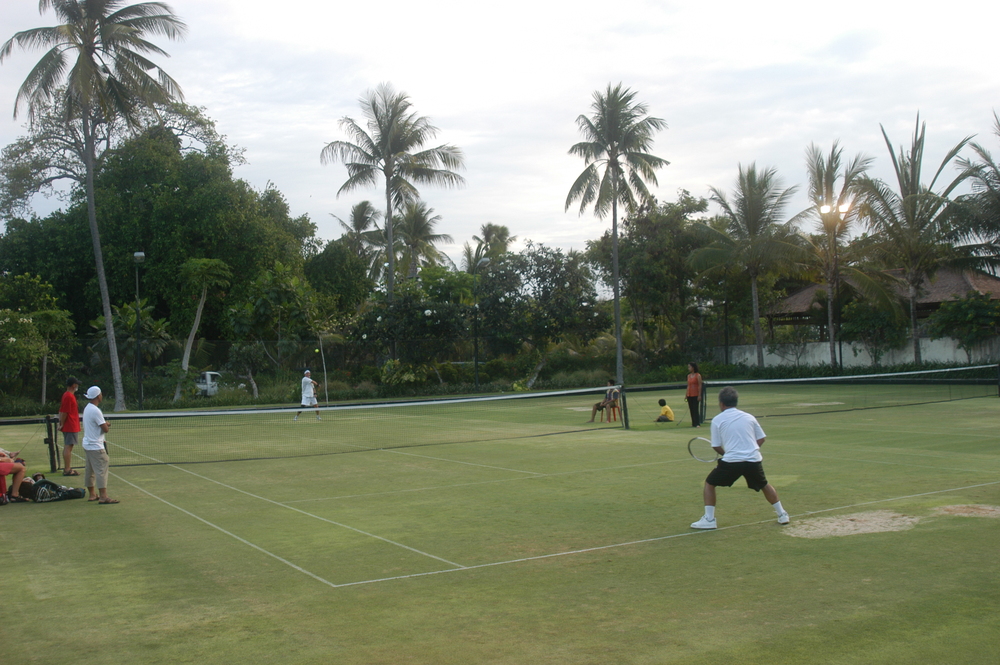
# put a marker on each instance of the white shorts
(310, 402)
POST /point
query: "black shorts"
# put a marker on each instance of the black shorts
(727, 473)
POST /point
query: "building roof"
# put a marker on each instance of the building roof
(947, 284)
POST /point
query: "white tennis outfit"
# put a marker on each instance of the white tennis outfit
(308, 396)
(740, 431)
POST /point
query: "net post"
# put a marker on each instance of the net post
(624, 407)
(52, 444)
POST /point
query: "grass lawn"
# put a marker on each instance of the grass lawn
(572, 547)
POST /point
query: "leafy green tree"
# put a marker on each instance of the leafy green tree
(390, 150)
(339, 275)
(200, 275)
(43, 324)
(879, 330)
(970, 321)
(21, 345)
(754, 239)
(657, 280)
(174, 204)
(110, 78)
(155, 334)
(444, 285)
(278, 313)
(53, 149)
(555, 299)
(415, 229)
(618, 137)
(913, 223)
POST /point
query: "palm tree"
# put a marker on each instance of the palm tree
(983, 226)
(618, 137)
(363, 236)
(496, 239)
(390, 149)
(834, 214)
(416, 231)
(913, 224)
(754, 238)
(97, 58)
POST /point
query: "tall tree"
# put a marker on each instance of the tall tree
(618, 137)
(983, 221)
(755, 238)
(913, 223)
(99, 54)
(200, 275)
(390, 149)
(416, 231)
(831, 191)
(363, 236)
(496, 239)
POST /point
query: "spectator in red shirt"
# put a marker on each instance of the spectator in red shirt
(69, 425)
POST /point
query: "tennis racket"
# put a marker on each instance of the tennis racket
(701, 449)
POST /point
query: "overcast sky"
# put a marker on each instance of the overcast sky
(736, 82)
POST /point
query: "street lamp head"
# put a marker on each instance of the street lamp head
(139, 257)
(844, 207)
(825, 209)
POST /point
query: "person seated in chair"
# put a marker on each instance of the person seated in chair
(10, 467)
(610, 399)
(666, 413)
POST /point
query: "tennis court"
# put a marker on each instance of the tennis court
(554, 541)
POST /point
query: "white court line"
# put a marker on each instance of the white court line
(292, 508)
(774, 453)
(660, 538)
(538, 476)
(230, 534)
(511, 561)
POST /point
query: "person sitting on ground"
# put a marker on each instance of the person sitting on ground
(666, 413)
(15, 469)
(610, 399)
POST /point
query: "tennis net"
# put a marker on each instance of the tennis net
(213, 436)
(785, 397)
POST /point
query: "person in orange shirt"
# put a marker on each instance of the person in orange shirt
(693, 395)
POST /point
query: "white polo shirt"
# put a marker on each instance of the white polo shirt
(737, 433)
(93, 435)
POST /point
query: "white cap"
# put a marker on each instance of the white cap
(93, 392)
(306, 372)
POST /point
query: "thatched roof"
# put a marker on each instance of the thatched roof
(947, 284)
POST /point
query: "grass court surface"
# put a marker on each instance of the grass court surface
(561, 542)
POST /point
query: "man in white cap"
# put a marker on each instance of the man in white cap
(94, 429)
(308, 394)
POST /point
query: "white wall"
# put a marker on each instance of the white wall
(937, 351)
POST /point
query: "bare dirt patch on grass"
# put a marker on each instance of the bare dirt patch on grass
(876, 521)
(969, 510)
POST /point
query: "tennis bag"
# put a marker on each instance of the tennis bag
(46, 491)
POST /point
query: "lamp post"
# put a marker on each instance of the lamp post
(833, 222)
(138, 257)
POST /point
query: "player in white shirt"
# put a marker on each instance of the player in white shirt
(308, 394)
(737, 436)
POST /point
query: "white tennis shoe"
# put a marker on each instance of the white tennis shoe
(704, 523)
(783, 518)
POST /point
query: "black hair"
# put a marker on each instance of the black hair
(663, 402)
(72, 381)
(694, 365)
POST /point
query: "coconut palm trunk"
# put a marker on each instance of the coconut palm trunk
(102, 280)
